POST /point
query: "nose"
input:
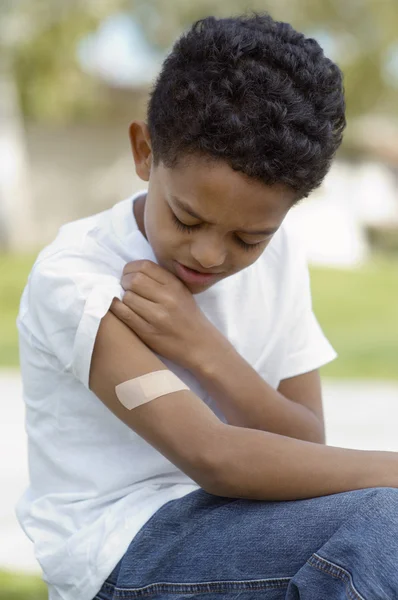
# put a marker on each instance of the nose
(208, 251)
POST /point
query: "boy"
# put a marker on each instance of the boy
(198, 280)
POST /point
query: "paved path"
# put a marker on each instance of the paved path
(358, 414)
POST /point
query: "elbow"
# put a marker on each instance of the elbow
(313, 428)
(313, 432)
(317, 433)
(317, 439)
(321, 432)
(313, 436)
(213, 472)
(215, 483)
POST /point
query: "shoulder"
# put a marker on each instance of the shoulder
(69, 289)
(82, 257)
(74, 256)
(99, 244)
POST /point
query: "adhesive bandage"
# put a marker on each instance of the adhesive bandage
(134, 392)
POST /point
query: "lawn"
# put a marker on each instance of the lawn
(358, 311)
(17, 586)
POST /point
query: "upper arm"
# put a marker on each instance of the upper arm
(305, 389)
(179, 425)
(66, 312)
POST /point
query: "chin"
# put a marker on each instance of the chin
(196, 288)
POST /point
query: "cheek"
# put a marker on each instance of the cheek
(152, 230)
(162, 235)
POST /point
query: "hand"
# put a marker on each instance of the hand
(161, 310)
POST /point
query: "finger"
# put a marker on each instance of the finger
(149, 268)
(128, 317)
(146, 309)
(143, 285)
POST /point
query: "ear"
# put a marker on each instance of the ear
(141, 147)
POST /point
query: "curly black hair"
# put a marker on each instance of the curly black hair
(254, 93)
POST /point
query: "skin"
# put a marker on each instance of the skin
(157, 305)
(228, 201)
(160, 308)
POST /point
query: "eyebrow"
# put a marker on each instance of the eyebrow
(191, 212)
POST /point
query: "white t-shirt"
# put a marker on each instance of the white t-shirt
(94, 482)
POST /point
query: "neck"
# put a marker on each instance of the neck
(138, 210)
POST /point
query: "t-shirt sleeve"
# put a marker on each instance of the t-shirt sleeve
(65, 299)
(307, 347)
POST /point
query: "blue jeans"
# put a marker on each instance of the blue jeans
(343, 546)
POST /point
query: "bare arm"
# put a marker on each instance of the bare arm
(306, 389)
(265, 466)
(245, 462)
(179, 425)
(223, 459)
(247, 400)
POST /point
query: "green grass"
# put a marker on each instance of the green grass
(17, 586)
(358, 310)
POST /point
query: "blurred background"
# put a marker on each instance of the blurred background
(74, 74)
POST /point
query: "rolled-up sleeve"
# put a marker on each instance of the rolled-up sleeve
(66, 297)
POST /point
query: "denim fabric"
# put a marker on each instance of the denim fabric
(338, 547)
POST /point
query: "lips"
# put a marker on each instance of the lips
(192, 276)
(201, 272)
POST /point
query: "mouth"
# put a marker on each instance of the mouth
(192, 276)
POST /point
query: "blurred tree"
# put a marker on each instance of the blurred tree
(39, 39)
(358, 34)
(364, 33)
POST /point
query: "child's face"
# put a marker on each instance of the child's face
(236, 218)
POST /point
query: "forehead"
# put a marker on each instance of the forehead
(226, 197)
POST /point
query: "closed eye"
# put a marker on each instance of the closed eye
(189, 228)
(182, 226)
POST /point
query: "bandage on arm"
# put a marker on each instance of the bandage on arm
(177, 423)
(138, 391)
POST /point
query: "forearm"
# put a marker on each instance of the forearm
(247, 400)
(259, 465)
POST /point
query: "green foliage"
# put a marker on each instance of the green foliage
(17, 586)
(52, 86)
(357, 309)
(51, 83)
(42, 53)
(14, 271)
(383, 237)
